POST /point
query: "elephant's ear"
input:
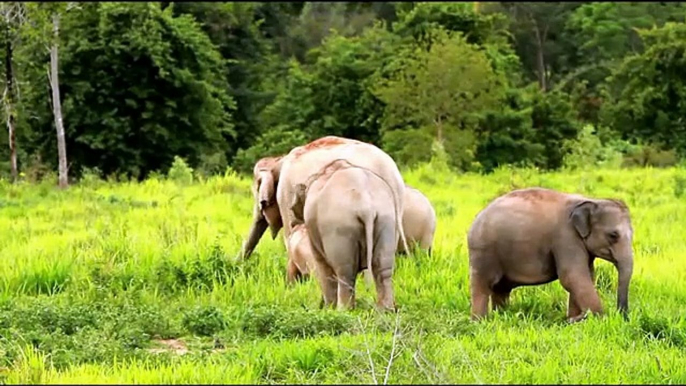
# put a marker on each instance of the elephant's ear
(298, 204)
(581, 217)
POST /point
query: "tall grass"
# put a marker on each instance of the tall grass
(97, 280)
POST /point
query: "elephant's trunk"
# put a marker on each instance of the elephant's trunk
(625, 268)
(257, 229)
(266, 190)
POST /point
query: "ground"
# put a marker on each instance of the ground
(138, 282)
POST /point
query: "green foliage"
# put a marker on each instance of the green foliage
(647, 91)
(330, 96)
(132, 75)
(650, 155)
(235, 30)
(180, 171)
(587, 152)
(204, 321)
(506, 135)
(440, 90)
(537, 31)
(273, 143)
(610, 30)
(225, 84)
(423, 18)
(408, 147)
(554, 121)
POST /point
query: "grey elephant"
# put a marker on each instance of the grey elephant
(275, 178)
(419, 221)
(535, 236)
(351, 227)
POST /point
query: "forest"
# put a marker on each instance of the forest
(559, 85)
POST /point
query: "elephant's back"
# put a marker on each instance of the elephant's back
(517, 217)
(299, 166)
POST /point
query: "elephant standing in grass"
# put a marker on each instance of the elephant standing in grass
(419, 224)
(352, 221)
(534, 236)
(419, 220)
(275, 179)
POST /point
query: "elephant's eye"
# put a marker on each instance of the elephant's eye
(613, 236)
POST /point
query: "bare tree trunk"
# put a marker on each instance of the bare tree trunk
(540, 58)
(56, 102)
(9, 101)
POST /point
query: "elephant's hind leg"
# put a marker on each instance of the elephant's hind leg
(327, 281)
(480, 291)
(342, 253)
(383, 262)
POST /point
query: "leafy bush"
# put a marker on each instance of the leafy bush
(204, 320)
(274, 142)
(408, 147)
(586, 151)
(180, 172)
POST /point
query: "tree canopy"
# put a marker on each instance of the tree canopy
(223, 84)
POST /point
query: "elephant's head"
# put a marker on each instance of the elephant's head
(606, 230)
(265, 209)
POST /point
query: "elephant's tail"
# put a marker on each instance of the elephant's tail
(369, 241)
(399, 221)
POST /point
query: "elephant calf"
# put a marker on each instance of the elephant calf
(534, 236)
(300, 255)
(419, 220)
(351, 217)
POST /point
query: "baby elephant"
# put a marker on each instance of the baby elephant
(300, 255)
(352, 223)
(419, 220)
(534, 236)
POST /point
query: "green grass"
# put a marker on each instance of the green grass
(93, 278)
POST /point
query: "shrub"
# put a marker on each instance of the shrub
(180, 172)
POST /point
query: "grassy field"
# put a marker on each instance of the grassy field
(138, 283)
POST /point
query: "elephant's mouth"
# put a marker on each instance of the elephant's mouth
(607, 254)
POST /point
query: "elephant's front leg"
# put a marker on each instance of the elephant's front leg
(574, 312)
(293, 274)
(583, 294)
(573, 309)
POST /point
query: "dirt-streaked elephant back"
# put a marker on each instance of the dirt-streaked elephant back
(299, 165)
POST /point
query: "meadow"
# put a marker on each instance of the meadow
(125, 282)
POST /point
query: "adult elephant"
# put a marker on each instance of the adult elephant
(275, 180)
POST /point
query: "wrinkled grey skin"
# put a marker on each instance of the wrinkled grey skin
(351, 221)
(419, 221)
(275, 178)
(534, 236)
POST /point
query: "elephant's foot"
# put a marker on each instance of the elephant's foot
(579, 317)
(392, 308)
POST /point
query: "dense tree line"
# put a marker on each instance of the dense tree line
(222, 84)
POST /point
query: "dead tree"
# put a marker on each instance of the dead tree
(56, 101)
(13, 16)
